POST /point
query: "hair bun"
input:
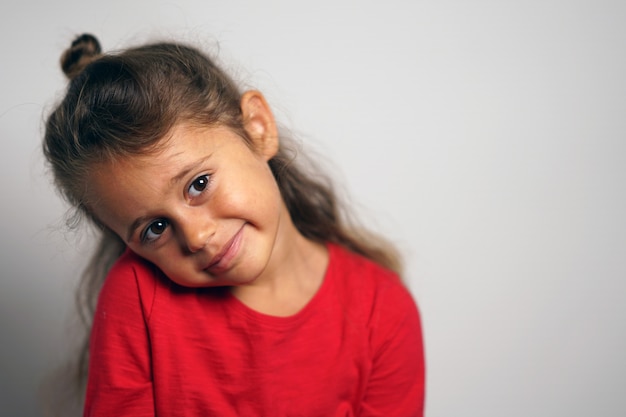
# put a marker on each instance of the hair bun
(85, 48)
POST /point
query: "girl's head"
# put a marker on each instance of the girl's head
(157, 145)
(133, 105)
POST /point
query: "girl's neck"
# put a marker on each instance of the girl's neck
(291, 279)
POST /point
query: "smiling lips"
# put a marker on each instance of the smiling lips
(222, 260)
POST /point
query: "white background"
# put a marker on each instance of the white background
(486, 138)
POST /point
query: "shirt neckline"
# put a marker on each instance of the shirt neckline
(234, 305)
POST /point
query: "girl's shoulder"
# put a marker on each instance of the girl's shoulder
(130, 270)
(374, 296)
(366, 281)
(355, 266)
(131, 280)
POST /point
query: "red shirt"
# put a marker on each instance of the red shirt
(159, 349)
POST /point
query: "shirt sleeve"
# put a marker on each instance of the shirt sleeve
(396, 385)
(120, 379)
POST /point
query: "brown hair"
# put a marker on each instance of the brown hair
(124, 103)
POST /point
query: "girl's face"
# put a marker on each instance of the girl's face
(205, 208)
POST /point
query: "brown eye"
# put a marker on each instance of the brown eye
(154, 230)
(198, 185)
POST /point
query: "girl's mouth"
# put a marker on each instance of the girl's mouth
(224, 257)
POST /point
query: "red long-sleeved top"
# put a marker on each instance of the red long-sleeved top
(159, 349)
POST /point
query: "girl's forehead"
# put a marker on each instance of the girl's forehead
(184, 144)
(126, 163)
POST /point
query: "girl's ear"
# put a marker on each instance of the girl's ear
(259, 123)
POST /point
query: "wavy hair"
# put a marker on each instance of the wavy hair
(124, 103)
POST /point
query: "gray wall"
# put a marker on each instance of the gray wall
(487, 138)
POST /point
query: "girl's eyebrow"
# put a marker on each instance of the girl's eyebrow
(134, 225)
(185, 171)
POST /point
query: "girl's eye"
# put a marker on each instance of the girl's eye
(155, 230)
(198, 185)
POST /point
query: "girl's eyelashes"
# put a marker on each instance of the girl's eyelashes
(198, 185)
(154, 230)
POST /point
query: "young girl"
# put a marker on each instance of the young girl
(234, 286)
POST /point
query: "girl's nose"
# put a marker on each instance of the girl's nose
(196, 232)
